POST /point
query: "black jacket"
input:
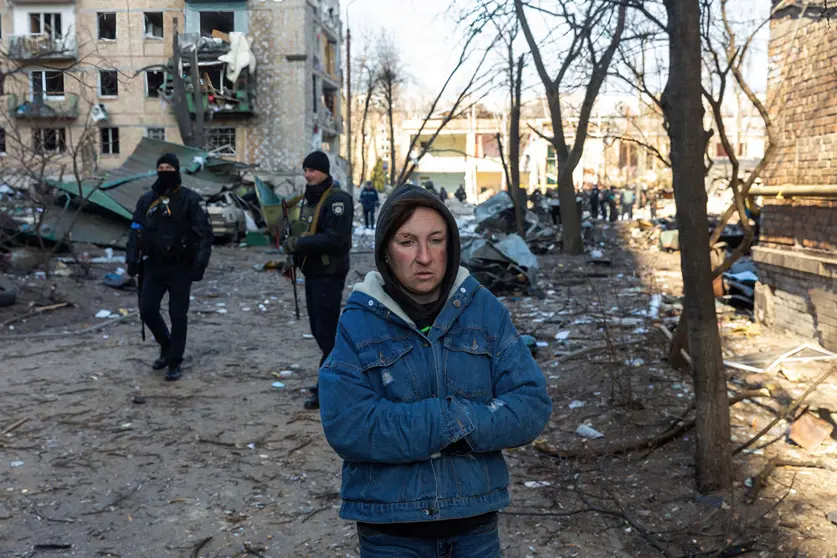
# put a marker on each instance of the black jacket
(182, 238)
(333, 239)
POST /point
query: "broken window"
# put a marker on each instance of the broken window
(154, 81)
(110, 141)
(107, 26)
(108, 83)
(222, 140)
(156, 133)
(153, 25)
(45, 24)
(49, 83)
(720, 151)
(217, 21)
(49, 140)
(2, 140)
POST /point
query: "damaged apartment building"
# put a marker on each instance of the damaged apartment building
(797, 255)
(90, 78)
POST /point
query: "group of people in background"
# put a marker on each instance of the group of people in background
(609, 204)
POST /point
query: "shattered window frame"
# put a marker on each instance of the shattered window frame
(110, 141)
(49, 140)
(223, 140)
(152, 28)
(108, 19)
(109, 79)
(151, 91)
(207, 27)
(156, 133)
(49, 84)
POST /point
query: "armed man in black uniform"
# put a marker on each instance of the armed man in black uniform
(320, 244)
(169, 246)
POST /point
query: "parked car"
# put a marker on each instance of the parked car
(227, 216)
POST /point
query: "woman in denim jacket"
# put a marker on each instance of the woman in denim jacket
(428, 383)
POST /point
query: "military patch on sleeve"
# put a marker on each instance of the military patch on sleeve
(338, 208)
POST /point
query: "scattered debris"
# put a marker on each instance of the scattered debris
(810, 432)
(103, 314)
(768, 361)
(501, 266)
(537, 484)
(277, 385)
(587, 431)
(576, 404)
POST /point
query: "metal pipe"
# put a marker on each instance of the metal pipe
(794, 191)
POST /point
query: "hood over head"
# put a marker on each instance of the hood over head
(414, 197)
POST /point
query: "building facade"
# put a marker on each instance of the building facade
(87, 79)
(797, 255)
(626, 144)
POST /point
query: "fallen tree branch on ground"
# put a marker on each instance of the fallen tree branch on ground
(670, 434)
(760, 480)
(788, 412)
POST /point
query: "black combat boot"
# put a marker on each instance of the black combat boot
(173, 374)
(163, 360)
(312, 403)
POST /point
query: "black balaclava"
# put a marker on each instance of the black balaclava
(422, 314)
(167, 180)
(317, 161)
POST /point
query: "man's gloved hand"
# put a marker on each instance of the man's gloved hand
(196, 274)
(299, 228)
(289, 246)
(133, 269)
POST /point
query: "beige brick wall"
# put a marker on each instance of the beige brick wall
(276, 139)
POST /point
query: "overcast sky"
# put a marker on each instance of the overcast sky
(428, 37)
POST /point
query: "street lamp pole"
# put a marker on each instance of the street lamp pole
(349, 153)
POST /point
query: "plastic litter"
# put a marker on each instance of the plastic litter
(576, 404)
(587, 431)
(537, 484)
(102, 314)
(277, 385)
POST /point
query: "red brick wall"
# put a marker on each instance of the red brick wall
(802, 93)
(800, 223)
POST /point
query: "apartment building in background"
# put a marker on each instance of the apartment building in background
(624, 139)
(94, 77)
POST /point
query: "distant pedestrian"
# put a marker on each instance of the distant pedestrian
(443, 194)
(460, 194)
(428, 383)
(611, 204)
(652, 203)
(369, 200)
(594, 202)
(169, 248)
(627, 201)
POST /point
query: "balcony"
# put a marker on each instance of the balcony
(43, 47)
(209, 48)
(235, 103)
(40, 108)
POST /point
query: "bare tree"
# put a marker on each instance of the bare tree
(391, 77)
(368, 66)
(479, 83)
(684, 110)
(593, 31)
(50, 89)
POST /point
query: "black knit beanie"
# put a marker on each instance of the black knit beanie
(317, 161)
(171, 159)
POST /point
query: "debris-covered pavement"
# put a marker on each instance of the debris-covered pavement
(102, 458)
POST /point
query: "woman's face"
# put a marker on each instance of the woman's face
(417, 254)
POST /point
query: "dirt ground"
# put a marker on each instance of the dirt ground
(112, 461)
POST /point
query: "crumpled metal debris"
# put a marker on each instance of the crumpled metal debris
(507, 264)
(496, 216)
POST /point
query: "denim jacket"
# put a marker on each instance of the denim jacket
(394, 399)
